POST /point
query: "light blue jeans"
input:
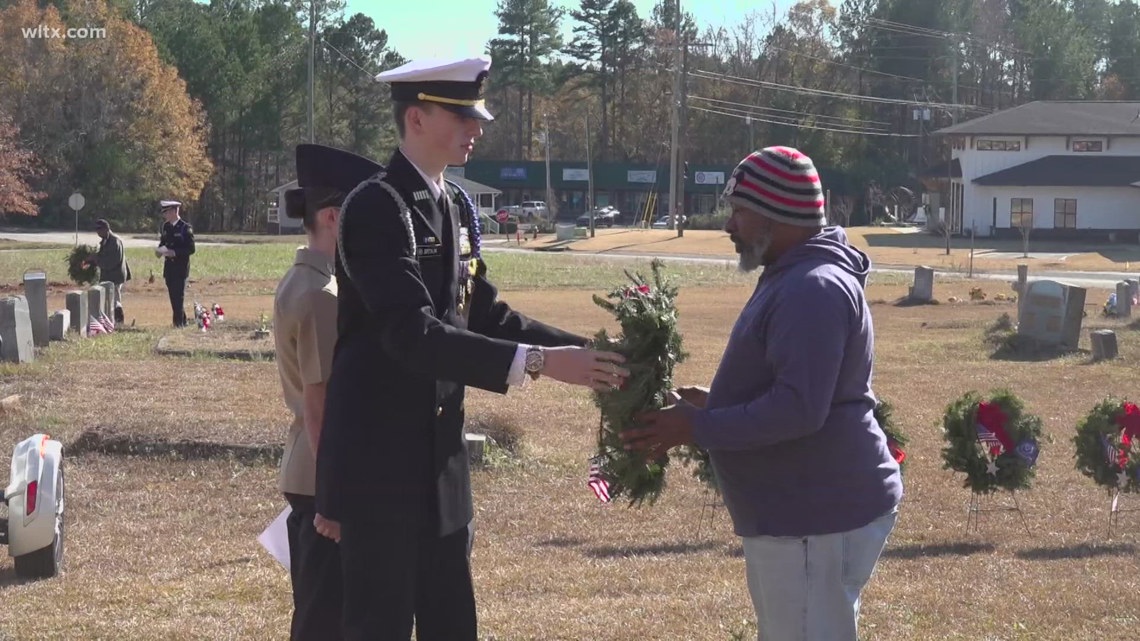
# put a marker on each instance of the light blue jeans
(806, 588)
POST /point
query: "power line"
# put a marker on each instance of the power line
(349, 60)
(822, 92)
(843, 64)
(914, 30)
(860, 132)
(789, 111)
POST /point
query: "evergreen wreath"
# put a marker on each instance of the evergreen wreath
(993, 441)
(651, 345)
(1108, 445)
(896, 439)
(80, 265)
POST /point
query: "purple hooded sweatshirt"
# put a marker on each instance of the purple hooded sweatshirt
(789, 422)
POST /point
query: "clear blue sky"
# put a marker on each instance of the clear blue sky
(437, 28)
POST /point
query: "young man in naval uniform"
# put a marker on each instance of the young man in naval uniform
(418, 322)
(176, 245)
(304, 333)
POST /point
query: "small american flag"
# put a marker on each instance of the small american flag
(989, 439)
(94, 328)
(598, 482)
(106, 323)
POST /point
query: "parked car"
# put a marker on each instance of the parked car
(603, 217)
(531, 208)
(663, 222)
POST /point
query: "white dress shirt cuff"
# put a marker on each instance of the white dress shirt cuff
(518, 375)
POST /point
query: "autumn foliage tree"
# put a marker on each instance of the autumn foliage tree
(104, 114)
(16, 166)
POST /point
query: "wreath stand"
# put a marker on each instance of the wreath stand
(1115, 510)
(709, 505)
(980, 502)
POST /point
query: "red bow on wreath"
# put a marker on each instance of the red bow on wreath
(641, 289)
(1129, 423)
(991, 428)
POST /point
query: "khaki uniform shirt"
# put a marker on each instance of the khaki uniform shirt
(304, 333)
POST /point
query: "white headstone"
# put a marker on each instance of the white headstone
(1123, 300)
(58, 324)
(35, 289)
(1051, 312)
(77, 309)
(95, 296)
(923, 289)
(16, 330)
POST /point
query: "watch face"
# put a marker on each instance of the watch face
(533, 361)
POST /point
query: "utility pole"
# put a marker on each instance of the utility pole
(312, 58)
(675, 125)
(589, 177)
(546, 139)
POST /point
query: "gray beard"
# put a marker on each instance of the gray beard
(752, 255)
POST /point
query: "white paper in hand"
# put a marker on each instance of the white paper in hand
(275, 538)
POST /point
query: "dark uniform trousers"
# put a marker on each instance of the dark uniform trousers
(406, 524)
(315, 571)
(176, 270)
(176, 290)
(423, 579)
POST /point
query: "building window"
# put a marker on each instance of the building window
(1088, 145)
(998, 145)
(1021, 213)
(1065, 213)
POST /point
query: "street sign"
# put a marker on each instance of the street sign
(76, 202)
(501, 216)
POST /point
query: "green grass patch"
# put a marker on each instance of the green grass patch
(508, 270)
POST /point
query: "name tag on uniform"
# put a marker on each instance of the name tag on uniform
(464, 241)
(430, 247)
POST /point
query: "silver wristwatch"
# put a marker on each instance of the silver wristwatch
(535, 361)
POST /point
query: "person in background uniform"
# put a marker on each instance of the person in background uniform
(418, 322)
(112, 263)
(304, 333)
(176, 245)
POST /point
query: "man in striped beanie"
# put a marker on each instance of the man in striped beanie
(780, 202)
(788, 421)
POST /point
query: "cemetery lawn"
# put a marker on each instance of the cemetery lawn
(164, 547)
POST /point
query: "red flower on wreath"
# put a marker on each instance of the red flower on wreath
(1129, 423)
(641, 289)
(991, 428)
(896, 451)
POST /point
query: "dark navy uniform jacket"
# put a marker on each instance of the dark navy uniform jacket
(180, 238)
(409, 340)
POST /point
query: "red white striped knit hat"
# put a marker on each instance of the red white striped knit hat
(780, 183)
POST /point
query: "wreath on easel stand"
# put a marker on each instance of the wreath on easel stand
(1108, 445)
(993, 441)
(896, 439)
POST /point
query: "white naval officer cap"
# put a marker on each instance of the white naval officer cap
(455, 84)
(167, 204)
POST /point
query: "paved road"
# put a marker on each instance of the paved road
(1080, 279)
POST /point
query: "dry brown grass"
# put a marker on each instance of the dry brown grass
(885, 246)
(165, 549)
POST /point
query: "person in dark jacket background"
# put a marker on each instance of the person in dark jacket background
(788, 422)
(112, 262)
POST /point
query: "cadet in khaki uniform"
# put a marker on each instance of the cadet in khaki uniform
(305, 333)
